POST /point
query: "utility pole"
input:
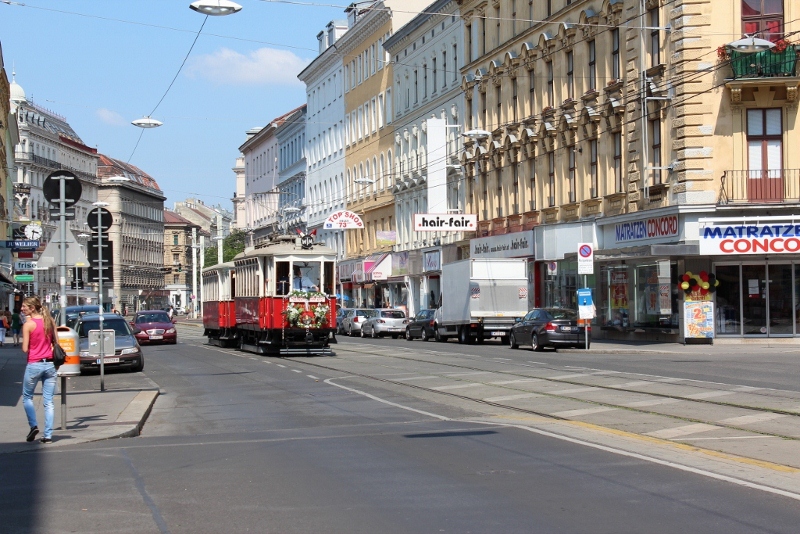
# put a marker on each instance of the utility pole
(194, 272)
(202, 265)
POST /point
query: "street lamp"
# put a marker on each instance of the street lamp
(147, 122)
(477, 134)
(215, 8)
(750, 44)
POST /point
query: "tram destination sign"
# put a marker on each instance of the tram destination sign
(734, 239)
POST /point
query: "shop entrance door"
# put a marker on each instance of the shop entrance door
(765, 296)
(754, 300)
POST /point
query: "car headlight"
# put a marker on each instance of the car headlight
(131, 350)
(170, 331)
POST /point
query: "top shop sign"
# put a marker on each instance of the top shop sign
(750, 239)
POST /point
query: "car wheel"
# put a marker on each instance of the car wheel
(535, 343)
(437, 336)
(423, 335)
(408, 335)
(512, 341)
(463, 335)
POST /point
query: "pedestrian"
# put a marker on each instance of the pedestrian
(171, 312)
(38, 336)
(4, 326)
(16, 326)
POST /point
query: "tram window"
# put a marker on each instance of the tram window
(328, 278)
(283, 284)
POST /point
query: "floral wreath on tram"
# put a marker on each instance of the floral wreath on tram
(306, 309)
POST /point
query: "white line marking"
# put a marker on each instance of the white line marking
(519, 381)
(685, 430)
(709, 394)
(279, 365)
(652, 402)
(313, 377)
(428, 377)
(585, 411)
(384, 401)
(296, 371)
(502, 359)
(513, 397)
(469, 374)
(633, 384)
(456, 386)
(749, 419)
(729, 437)
(563, 377)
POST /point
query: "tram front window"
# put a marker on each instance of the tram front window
(306, 276)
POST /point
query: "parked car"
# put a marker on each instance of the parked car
(555, 327)
(126, 351)
(154, 326)
(421, 326)
(354, 319)
(340, 314)
(385, 322)
(73, 313)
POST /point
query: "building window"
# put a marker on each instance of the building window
(592, 66)
(176, 279)
(655, 154)
(615, 65)
(570, 75)
(593, 168)
(424, 81)
(572, 193)
(483, 111)
(550, 88)
(763, 18)
(499, 99)
(515, 182)
(176, 258)
(416, 86)
(485, 194)
(532, 183)
(514, 100)
(498, 178)
(514, 18)
(468, 31)
(174, 239)
(764, 154)
(433, 65)
(455, 62)
(551, 179)
(549, 7)
(655, 38)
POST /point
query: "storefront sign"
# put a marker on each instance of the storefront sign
(432, 261)
(445, 222)
(343, 220)
(652, 228)
(514, 245)
(400, 263)
(698, 320)
(750, 239)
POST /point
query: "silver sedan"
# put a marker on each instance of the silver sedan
(385, 322)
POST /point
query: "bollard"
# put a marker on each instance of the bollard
(68, 340)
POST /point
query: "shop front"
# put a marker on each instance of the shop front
(514, 245)
(757, 265)
(346, 269)
(555, 273)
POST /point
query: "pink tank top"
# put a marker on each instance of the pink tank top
(40, 346)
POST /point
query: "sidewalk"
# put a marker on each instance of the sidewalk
(92, 415)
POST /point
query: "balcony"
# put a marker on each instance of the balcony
(766, 64)
(760, 186)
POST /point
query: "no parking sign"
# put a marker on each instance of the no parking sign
(585, 258)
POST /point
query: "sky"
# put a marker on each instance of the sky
(104, 63)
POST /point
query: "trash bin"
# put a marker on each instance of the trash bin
(68, 339)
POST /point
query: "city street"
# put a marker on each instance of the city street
(397, 436)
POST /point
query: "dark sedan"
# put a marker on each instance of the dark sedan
(421, 326)
(126, 352)
(154, 326)
(554, 327)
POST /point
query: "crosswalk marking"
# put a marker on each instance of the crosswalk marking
(669, 433)
(585, 411)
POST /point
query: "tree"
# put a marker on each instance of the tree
(232, 245)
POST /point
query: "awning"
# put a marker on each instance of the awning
(381, 269)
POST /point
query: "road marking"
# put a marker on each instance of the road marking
(571, 391)
(313, 377)
(750, 419)
(469, 374)
(669, 433)
(384, 401)
(428, 377)
(279, 365)
(502, 359)
(456, 386)
(519, 381)
(747, 389)
(585, 411)
(564, 377)
(652, 402)
(634, 384)
(729, 437)
(513, 397)
(708, 394)
(296, 371)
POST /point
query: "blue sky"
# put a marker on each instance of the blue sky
(104, 63)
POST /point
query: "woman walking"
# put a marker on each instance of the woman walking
(16, 326)
(38, 335)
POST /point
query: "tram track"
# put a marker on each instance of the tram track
(644, 380)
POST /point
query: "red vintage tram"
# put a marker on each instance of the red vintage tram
(283, 298)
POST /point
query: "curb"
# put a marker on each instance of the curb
(140, 407)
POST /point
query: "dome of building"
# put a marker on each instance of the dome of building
(16, 91)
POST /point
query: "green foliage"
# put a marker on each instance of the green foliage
(232, 245)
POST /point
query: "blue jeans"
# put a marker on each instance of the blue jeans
(46, 372)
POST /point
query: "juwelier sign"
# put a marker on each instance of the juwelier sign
(776, 238)
(445, 222)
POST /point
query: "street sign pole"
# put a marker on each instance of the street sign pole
(100, 273)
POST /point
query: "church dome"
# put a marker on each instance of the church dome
(16, 91)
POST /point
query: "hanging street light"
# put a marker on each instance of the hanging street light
(750, 44)
(147, 122)
(215, 8)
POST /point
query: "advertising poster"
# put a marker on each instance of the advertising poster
(385, 238)
(619, 290)
(698, 320)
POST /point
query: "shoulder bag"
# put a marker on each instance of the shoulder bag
(58, 355)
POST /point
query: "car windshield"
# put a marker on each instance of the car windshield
(569, 315)
(152, 318)
(119, 327)
(393, 314)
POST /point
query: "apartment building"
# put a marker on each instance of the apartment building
(650, 131)
(291, 189)
(369, 140)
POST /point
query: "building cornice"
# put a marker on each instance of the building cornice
(330, 58)
(408, 32)
(363, 29)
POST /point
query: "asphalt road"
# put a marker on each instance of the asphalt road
(243, 443)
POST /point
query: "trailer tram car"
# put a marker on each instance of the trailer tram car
(219, 311)
(284, 297)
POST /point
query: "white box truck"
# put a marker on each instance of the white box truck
(481, 298)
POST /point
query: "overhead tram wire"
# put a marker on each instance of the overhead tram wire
(196, 37)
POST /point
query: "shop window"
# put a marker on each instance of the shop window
(649, 301)
(763, 18)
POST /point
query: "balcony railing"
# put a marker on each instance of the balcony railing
(759, 186)
(766, 64)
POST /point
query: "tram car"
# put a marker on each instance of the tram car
(283, 297)
(219, 310)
